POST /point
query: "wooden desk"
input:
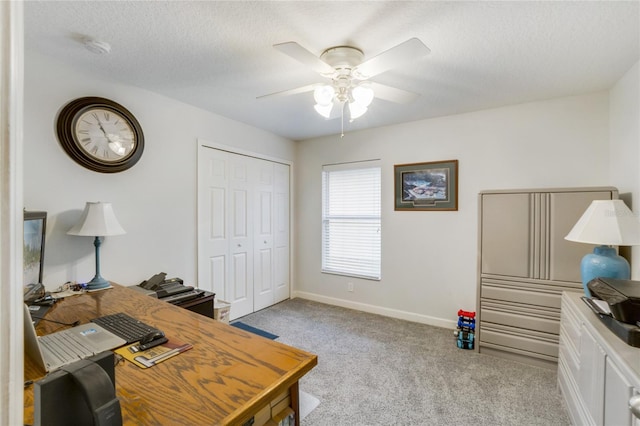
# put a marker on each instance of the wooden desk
(228, 376)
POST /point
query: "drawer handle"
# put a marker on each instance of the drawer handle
(634, 405)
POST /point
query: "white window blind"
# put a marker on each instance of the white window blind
(351, 234)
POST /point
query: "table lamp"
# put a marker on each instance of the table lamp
(97, 220)
(607, 223)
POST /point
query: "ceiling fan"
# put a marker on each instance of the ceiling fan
(349, 75)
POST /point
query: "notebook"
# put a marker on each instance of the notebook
(58, 349)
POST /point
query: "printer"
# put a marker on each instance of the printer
(622, 296)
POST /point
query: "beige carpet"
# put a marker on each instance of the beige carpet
(374, 370)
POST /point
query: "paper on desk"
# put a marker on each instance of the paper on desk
(604, 306)
(155, 355)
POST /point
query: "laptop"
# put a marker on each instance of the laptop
(64, 347)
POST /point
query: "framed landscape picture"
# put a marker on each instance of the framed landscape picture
(426, 186)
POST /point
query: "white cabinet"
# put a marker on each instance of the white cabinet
(525, 264)
(597, 372)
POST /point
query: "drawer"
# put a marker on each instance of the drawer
(530, 341)
(537, 297)
(519, 320)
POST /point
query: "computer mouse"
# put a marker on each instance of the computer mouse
(148, 338)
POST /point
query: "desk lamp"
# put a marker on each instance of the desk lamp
(97, 220)
(607, 223)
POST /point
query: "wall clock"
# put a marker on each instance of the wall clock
(100, 134)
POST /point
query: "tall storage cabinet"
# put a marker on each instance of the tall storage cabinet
(524, 266)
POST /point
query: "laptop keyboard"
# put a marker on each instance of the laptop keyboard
(125, 327)
(65, 347)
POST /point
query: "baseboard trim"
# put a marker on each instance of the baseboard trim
(380, 310)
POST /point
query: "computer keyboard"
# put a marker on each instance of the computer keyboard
(125, 327)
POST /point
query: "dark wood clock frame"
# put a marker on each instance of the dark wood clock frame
(65, 129)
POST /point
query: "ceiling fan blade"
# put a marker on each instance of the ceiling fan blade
(302, 55)
(392, 94)
(303, 89)
(397, 56)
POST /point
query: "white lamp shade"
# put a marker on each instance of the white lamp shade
(97, 220)
(324, 94)
(607, 222)
(363, 95)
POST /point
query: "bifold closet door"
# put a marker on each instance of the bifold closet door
(243, 230)
(271, 234)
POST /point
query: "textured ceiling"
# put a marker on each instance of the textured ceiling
(219, 56)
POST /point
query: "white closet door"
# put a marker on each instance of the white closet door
(240, 283)
(263, 234)
(225, 249)
(243, 229)
(213, 236)
(281, 232)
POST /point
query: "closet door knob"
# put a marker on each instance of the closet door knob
(634, 405)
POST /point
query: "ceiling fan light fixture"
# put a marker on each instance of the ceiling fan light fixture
(324, 94)
(356, 110)
(324, 110)
(363, 95)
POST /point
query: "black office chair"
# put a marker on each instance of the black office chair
(82, 393)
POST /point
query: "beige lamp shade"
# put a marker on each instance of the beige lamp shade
(607, 222)
(97, 220)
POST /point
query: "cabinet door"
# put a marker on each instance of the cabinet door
(506, 243)
(564, 210)
(617, 393)
(591, 375)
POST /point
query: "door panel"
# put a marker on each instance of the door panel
(506, 234)
(281, 232)
(263, 235)
(240, 243)
(212, 228)
(565, 210)
(218, 273)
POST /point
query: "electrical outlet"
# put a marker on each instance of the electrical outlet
(349, 286)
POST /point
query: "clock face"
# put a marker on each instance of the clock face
(100, 134)
(104, 134)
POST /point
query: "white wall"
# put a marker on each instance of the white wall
(624, 112)
(155, 201)
(429, 267)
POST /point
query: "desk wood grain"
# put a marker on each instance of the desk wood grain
(225, 379)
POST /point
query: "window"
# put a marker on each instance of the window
(351, 227)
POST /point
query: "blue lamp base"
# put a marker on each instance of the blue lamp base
(97, 283)
(603, 262)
